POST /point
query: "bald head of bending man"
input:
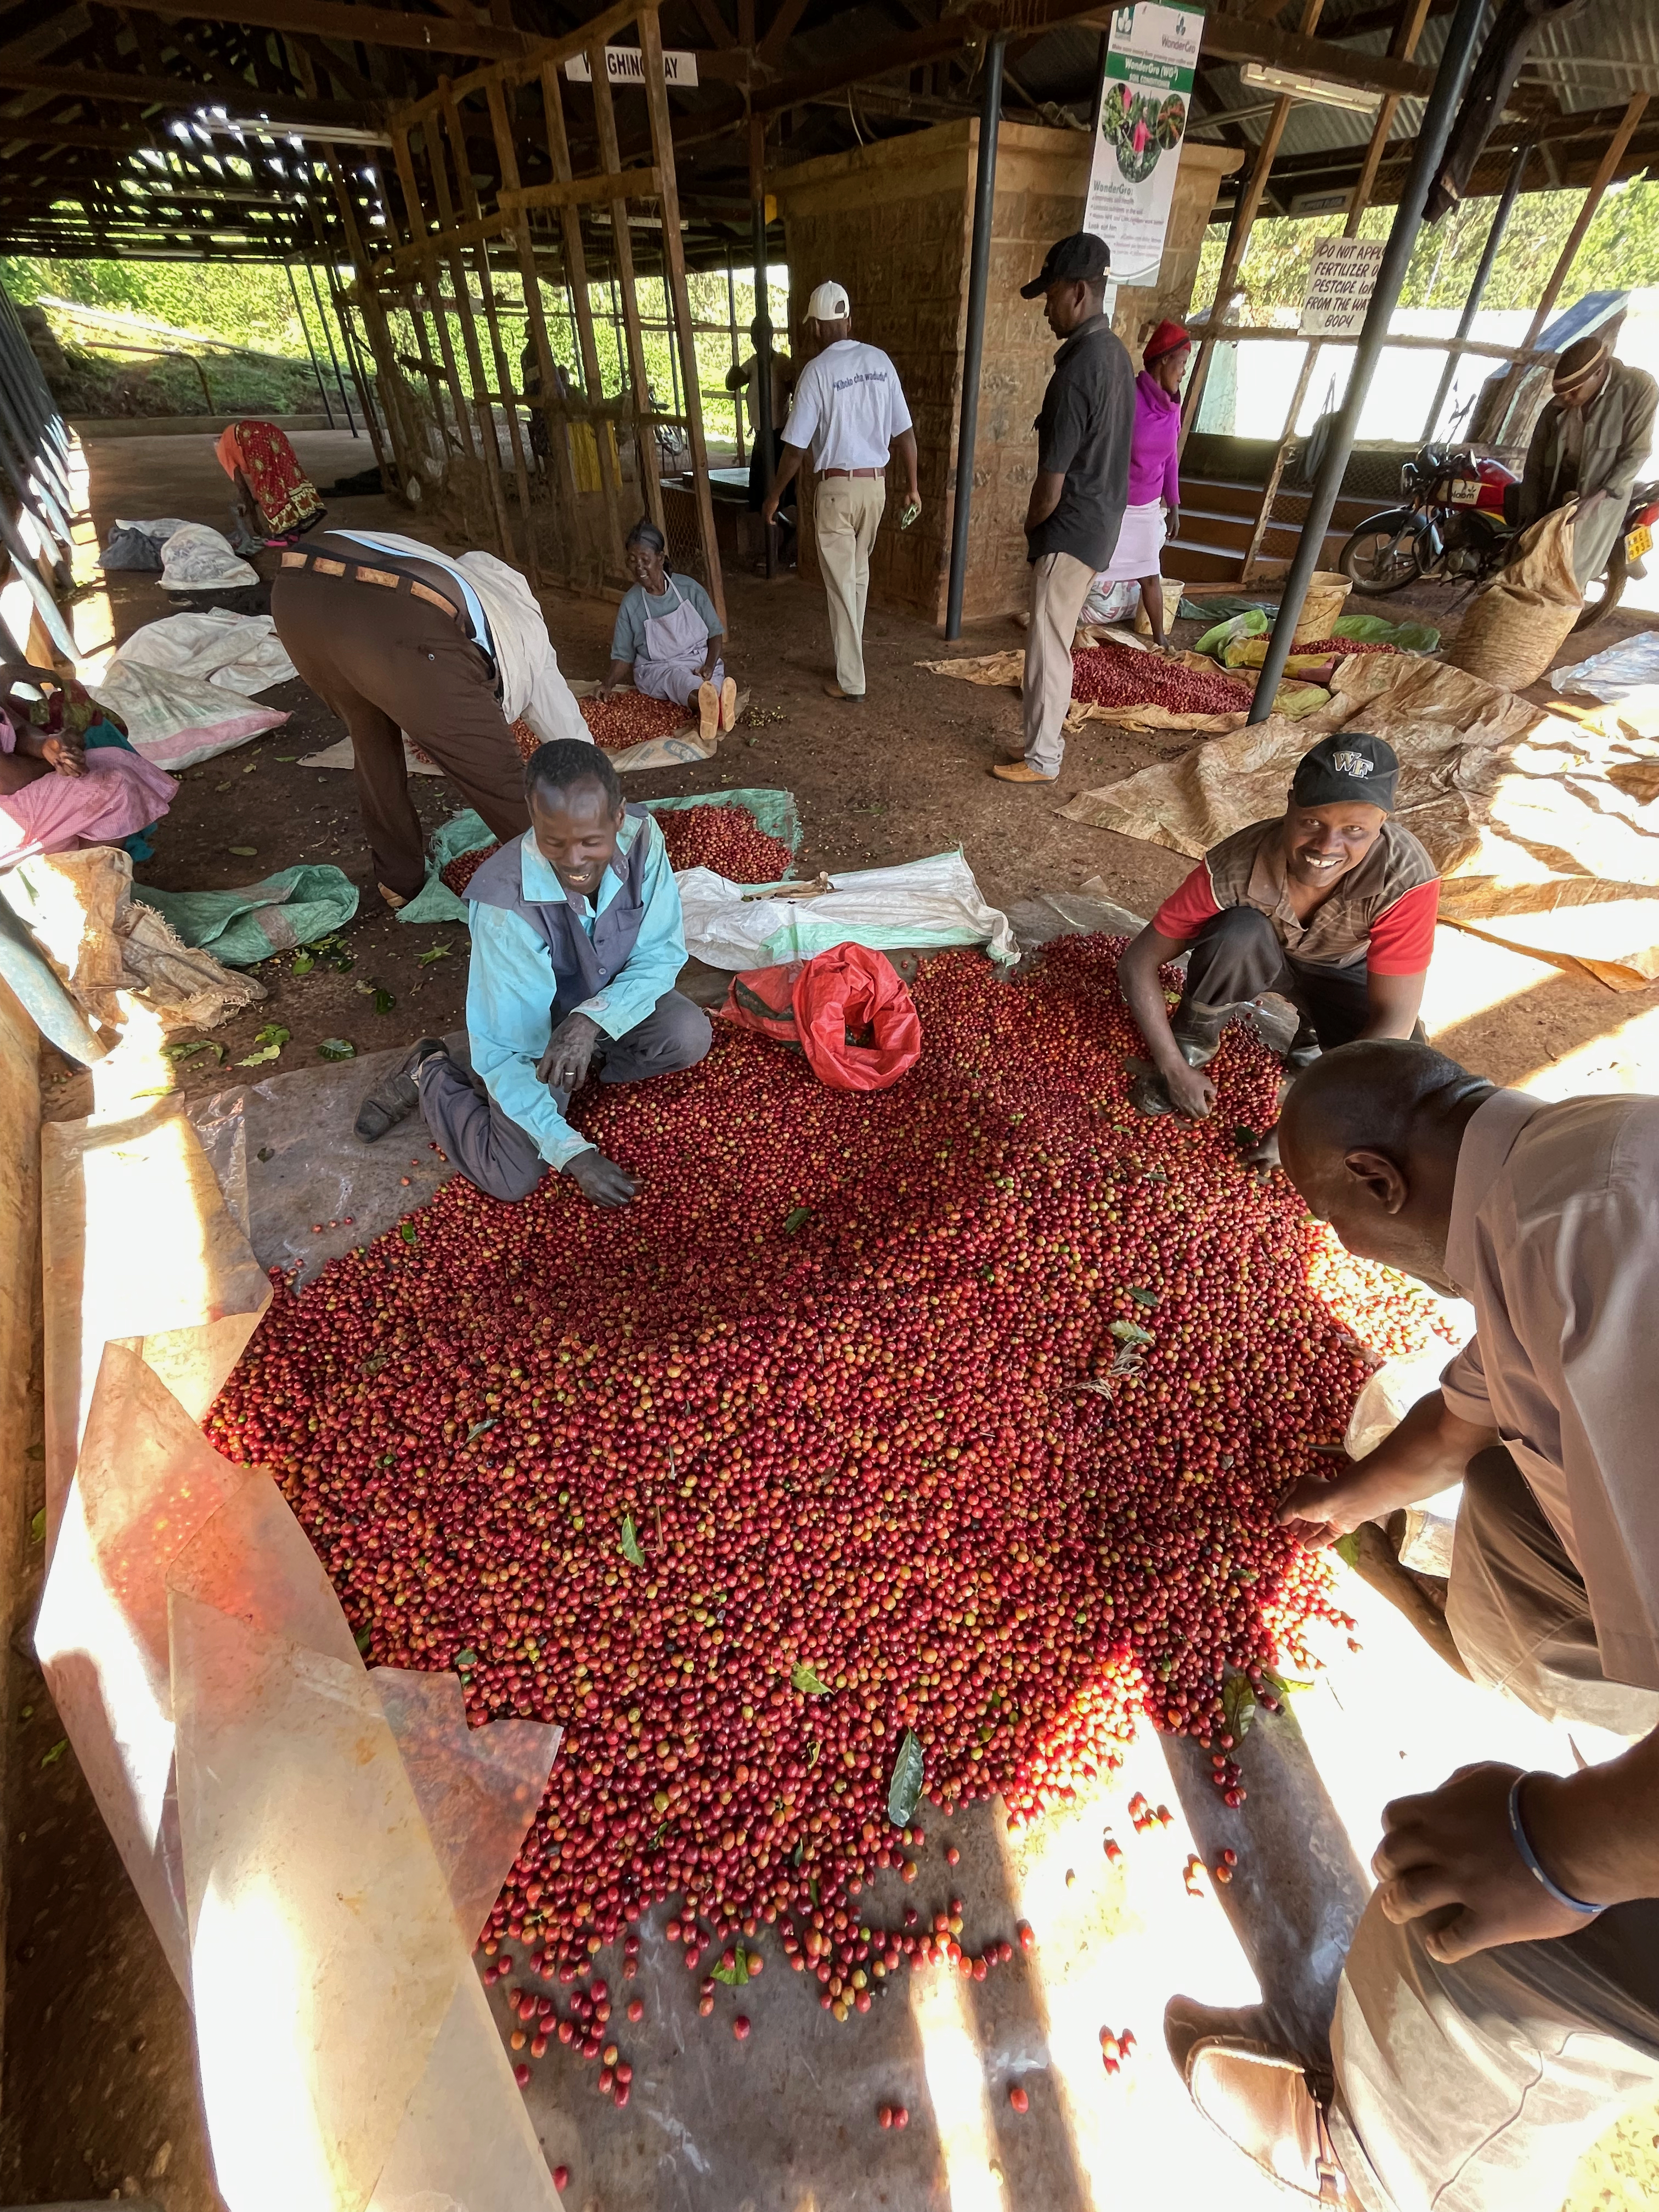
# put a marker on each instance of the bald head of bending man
(1369, 1135)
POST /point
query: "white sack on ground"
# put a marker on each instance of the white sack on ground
(198, 559)
(233, 652)
(175, 720)
(929, 905)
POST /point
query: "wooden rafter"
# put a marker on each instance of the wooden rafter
(373, 26)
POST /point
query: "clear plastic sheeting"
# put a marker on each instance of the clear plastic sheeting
(269, 1796)
(1631, 666)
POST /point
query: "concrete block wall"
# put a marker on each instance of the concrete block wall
(893, 223)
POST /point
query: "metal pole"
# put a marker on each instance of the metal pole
(763, 425)
(1500, 223)
(322, 389)
(1432, 132)
(737, 358)
(973, 347)
(328, 340)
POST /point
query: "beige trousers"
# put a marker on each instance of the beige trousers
(1060, 585)
(846, 511)
(1477, 2087)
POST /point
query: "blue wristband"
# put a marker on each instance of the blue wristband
(1530, 1860)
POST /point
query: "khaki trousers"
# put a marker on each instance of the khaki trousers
(1478, 2088)
(1060, 585)
(846, 511)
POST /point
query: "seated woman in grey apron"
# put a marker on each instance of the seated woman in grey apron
(668, 636)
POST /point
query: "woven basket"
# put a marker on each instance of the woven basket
(1327, 592)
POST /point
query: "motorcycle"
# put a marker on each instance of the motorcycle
(1455, 528)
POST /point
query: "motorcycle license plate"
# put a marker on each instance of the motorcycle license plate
(1465, 491)
(1638, 542)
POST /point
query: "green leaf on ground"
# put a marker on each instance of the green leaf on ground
(37, 1527)
(406, 1230)
(1238, 1705)
(803, 1678)
(435, 952)
(337, 1048)
(180, 1053)
(1129, 1332)
(259, 1058)
(303, 963)
(904, 1789)
(797, 1218)
(384, 1002)
(630, 1543)
(736, 1973)
(479, 1428)
(362, 1639)
(465, 1660)
(55, 1753)
(1142, 1298)
(244, 852)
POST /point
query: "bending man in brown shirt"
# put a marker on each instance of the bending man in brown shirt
(1500, 2003)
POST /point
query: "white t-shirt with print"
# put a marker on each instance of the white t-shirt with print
(848, 407)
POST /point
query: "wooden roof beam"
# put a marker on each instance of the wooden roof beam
(179, 95)
(373, 26)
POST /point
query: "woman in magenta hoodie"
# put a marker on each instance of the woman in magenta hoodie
(1153, 510)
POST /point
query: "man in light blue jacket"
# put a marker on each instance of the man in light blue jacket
(577, 938)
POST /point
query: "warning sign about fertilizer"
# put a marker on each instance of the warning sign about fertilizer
(1144, 95)
(1340, 281)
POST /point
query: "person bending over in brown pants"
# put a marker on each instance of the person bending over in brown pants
(397, 637)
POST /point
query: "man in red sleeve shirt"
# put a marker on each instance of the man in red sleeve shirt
(1332, 906)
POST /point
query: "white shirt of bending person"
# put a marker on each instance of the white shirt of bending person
(848, 407)
(533, 689)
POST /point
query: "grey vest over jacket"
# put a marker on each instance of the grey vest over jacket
(582, 966)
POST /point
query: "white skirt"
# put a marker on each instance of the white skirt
(1139, 542)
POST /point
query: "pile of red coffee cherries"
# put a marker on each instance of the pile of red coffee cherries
(960, 1408)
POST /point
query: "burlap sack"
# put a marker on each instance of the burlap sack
(1519, 623)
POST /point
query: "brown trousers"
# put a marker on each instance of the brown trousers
(387, 662)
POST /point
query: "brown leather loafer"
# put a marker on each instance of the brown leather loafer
(1020, 772)
(1263, 2100)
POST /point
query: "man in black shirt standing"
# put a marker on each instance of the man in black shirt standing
(1082, 486)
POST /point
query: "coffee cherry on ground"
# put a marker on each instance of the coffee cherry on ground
(1018, 2098)
(973, 1397)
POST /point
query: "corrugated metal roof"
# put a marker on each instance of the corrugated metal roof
(1600, 58)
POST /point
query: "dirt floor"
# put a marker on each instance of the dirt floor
(99, 2088)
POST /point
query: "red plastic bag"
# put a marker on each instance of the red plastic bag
(859, 1026)
(846, 1010)
(764, 999)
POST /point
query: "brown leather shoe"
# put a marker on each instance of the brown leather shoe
(852, 698)
(1019, 772)
(1261, 2098)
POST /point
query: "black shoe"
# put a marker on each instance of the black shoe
(395, 1097)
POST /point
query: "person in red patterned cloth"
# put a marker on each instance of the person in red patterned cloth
(1332, 906)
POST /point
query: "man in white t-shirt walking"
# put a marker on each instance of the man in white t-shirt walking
(849, 410)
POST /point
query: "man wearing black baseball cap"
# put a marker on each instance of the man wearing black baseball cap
(1082, 483)
(1331, 906)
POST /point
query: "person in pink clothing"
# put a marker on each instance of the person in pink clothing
(1153, 514)
(68, 777)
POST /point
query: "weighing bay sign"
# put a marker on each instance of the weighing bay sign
(626, 65)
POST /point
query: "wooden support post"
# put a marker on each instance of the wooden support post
(1408, 30)
(581, 306)
(1239, 239)
(416, 212)
(673, 254)
(404, 434)
(737, 358)
(552, 410)
(379, 437)
(638, 392)
(438, 162)
(417, 322)
(506, 382)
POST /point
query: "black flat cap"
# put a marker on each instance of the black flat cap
(1081, 259)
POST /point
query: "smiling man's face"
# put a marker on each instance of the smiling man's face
(1323, 843)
